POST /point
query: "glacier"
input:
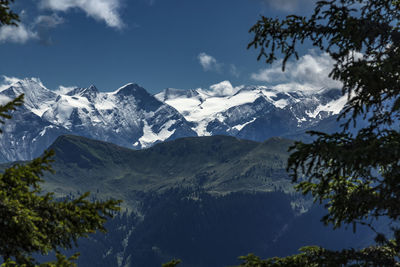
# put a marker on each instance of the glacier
(132, 117)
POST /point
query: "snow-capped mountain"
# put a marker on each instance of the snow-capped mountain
(252, 112)
(130, 117)
(133, 118)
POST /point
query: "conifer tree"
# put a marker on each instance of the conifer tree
(356, 176)
(32, 221)
(7, 16)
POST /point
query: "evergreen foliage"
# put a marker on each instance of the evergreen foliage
(32, 221)
(216, 163)
(356, 176)
(7, 16)
(177, 218)
(172, 263)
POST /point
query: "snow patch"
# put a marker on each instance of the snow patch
(201, 128)
(333, 107)
(281, 103)
(62, 90)
(239, 127)
(149, 137)
(105, 102)
(205, 106)
(42, 133)
(121, 88)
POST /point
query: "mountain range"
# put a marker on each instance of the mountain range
(133, 118)
(198, 170)
(205, 200)
(216, 164)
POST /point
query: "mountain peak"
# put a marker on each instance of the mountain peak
(90, 93)
(132, 117)
(92, 89)
(171, 93)
(31, 80)
(28, 84)
(130, 89)
(143, 99)
(35, 93)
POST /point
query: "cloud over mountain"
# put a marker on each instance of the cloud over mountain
(309, 73)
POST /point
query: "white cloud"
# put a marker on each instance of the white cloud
(234, 71)
(288, 5)
(106, 10)
(209, 63)
(36, 31)
(224, 88)
(44, 24)
(309, 73)
(7, 82)
(49, 21)
(4, 99)
(62, 90)
(20, 34)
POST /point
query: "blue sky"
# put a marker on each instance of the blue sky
(155, 43)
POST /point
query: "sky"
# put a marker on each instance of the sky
(158, 44)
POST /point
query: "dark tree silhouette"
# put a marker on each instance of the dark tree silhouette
(32, 221)
(356, 176)
(7, 16)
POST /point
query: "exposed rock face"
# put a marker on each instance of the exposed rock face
(132, 117)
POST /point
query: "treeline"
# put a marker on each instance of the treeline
(208, 230)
